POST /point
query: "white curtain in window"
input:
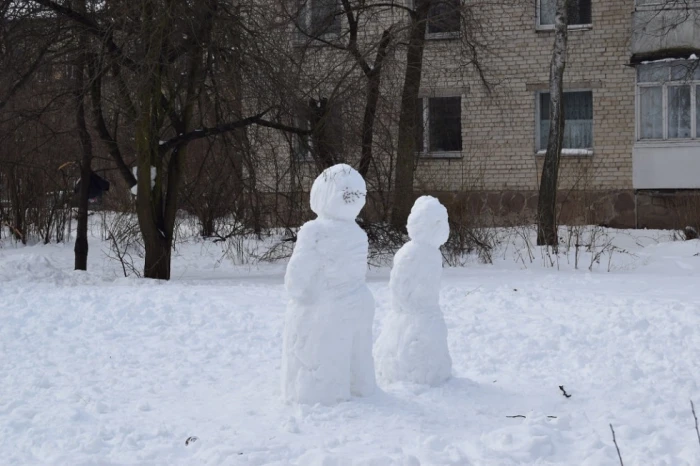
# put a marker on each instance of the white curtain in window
(697, 110)
(651, 112)
(578, 116)
(678, 112)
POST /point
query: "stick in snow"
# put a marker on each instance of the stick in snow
(616, 447)
(561, 387)
(695, 416)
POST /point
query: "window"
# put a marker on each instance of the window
(578, 121)
(443, 131)
(302, 144)
(320, 17)
(579, 12)
(668, 100)
(444, 19)
(325, 142)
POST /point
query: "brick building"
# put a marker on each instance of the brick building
(631, 153)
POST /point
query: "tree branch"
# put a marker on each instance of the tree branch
(200, 133)
(352, 43)
(101, 125)
(91, 27)
(25, 77)
(619, 455)
(382, 50)
(695, 416)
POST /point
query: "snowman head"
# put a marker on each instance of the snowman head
(427, 222)
(338, 193)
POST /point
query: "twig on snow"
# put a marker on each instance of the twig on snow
(561, 387)
(517, 415)
(695, 416)
(616, 447)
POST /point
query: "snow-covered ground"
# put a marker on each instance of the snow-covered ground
(101, 370)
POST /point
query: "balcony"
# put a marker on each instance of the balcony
(665, 28)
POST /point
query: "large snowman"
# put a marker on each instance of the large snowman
(327, 347)
(412, 346)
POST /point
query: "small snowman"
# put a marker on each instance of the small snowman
(412, 346)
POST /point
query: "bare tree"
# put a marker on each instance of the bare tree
(547, 202)
(159, 57)
(374, 32)
(373, 73)
(80, 67)
(406, 152)
(34, 133)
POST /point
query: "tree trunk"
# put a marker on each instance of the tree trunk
(241, 146)
(322, 123)
(374, 81)
(95, 79)
(81, 235)
(406, 154)
(16, 206)
(157, 261)
(149, 199)
(547, 202)
(157, 206)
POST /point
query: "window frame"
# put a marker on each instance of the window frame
(430, 36)
(649, 6)
(550, 27)
(306, 26)
(585, 152)
(302, 144)
(425, 151)
(694, 83)
(441, 35)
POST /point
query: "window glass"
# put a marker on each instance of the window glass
(579, 12)
(678, 112)
(301, 143)
(697, 110)
(444, 17)
(324, 17)
(666, 110)
(578, 120)
(578, 112)
(445, 122)
(547, 11)
(651, 112)
(324, 121)
(652, 73)
(419, 126)
(544, 120)
(683, 71)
